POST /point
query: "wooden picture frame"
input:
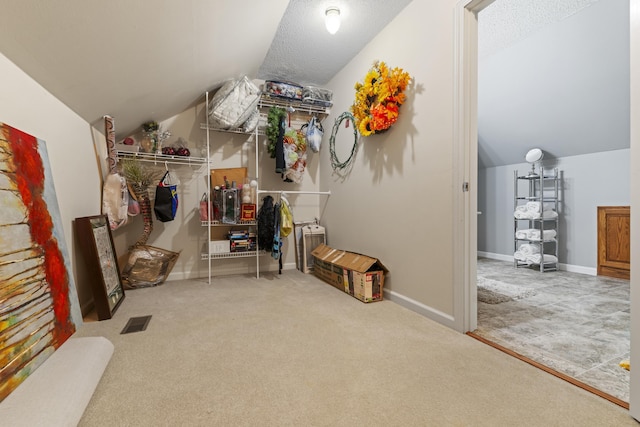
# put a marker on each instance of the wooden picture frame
(98, 253)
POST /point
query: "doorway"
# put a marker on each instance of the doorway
(570, 322)
(466, 125)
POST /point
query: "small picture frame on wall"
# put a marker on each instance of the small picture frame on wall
(98, 255)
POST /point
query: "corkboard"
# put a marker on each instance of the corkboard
(233, 174)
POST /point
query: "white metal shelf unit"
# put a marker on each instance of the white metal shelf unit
(245, 254)
(162, 158)
(265, 102)
(543, 189)
(207, 255)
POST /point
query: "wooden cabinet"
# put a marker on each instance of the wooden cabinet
(614, 241)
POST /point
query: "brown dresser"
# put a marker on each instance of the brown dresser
(614, 241)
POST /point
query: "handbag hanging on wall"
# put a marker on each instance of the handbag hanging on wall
(166, 203)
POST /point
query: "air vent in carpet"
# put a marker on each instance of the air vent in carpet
(136, 324)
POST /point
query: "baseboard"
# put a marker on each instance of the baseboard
(421, 309)
(565, 267)
(578, 269)
(498, 257)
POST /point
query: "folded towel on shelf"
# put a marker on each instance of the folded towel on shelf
(544, 215)
(533, 206)
(520, 256)
(528, 249)
(536, 206)
(531, 210)
(534, 234)
(522, 234)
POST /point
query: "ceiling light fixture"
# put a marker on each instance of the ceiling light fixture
(332, 19)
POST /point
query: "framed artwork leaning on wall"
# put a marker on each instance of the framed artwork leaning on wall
(99, 257)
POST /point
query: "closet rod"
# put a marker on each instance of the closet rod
(328, 193)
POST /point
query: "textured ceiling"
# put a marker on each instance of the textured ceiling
(505, 22)
(304, 52)
(149, 60)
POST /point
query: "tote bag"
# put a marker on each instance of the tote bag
(166, 204)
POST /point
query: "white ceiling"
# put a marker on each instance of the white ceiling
(505, 22)
(552, 74)
(149, 60)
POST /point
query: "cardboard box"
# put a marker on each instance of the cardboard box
(358, 275)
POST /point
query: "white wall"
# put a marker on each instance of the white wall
(29, 107)
(396, 204)
(588, 181)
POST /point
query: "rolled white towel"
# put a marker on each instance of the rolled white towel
(522, 215)
(520, 256)
(534, 234)
(522, 234)
(533, 206)
(537, 258)
(544, 215)
(529, 249)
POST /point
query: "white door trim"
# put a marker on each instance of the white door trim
(634, 87)
(465, 160)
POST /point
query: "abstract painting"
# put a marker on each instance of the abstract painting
(39, 306)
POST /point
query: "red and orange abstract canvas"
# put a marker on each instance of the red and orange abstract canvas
(38, 301)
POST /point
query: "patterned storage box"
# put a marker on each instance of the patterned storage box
(283, 90)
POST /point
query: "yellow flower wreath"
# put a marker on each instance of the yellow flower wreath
(378, 98)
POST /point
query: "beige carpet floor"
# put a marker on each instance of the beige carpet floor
(290, 350)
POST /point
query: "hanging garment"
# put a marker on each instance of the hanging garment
(276, 250)
(286, 217)
(280, 163)
(266, 224)
(277, 243)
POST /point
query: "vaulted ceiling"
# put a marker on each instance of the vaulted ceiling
(149, 60)
(552, 74)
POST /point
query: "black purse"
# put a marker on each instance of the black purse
(166, 203)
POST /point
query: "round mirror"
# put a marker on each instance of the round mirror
(534, 155)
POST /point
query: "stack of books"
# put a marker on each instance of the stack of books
(242, 240)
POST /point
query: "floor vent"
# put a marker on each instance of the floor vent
(136, 324)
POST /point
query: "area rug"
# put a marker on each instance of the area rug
(495, 292)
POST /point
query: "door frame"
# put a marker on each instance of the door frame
(465, 155)
(465, 159)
